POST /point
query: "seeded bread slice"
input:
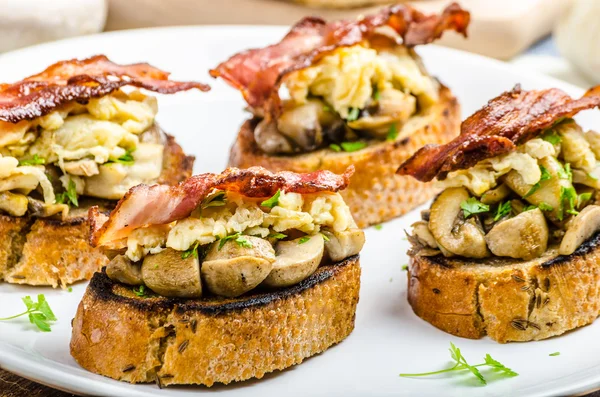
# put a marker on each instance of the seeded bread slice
(375, 194)
(212, 340)
(506, 299)
(40, 251)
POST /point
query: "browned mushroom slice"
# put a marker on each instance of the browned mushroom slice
(341, 245)
(582, 227)
(296, 260)
(121, 269)
(169, 274)
(496, 195)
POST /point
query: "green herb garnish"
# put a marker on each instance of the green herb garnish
(378, 226)
(545, 176)
(277, 236)
(392, 132)
(139, 291)
(554, 354)
(192, 251)
(126, 159)
(35, 160)
(326, 108)
(325, 237)
(241, 240)
(353, 114)
(569, 195)
(461, 364)
(39, 313)
(502, 210)
(566, 173)
(303, 240)
(405, 267)
(473, 206)
(353, 146)
(545, 207)
(376, 93)
(529, 208)
(218, 199)
(70, 289)
(273, 201)
(335, 147)
(583, 197)
(552, 137)
(68, 197)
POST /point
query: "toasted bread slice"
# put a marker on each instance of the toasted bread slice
(507, 299)
(376, 193)
(209, 340)
(40, 251)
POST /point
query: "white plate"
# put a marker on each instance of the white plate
(389, 338)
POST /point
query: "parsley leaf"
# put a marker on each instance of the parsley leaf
(36, 160)
(405, 267)
(353, 146)
(39, 313)
(545, 207)
(568, 195)
(139, 291)
(583, 197)
(277, 236)
(303, 239)
(554, 354)
(473, 206)
(273, 201)
(335, 147)
(566, 173)
(241, 240)
(392, 132)
(325, 237)
(376, 93)
(126, 159)
(192, 251)
(545, 176)
(461, 364)
(502, 210)
(552, 137)
(70, 196)
(353, 114)
(378, 226)
(217, 199)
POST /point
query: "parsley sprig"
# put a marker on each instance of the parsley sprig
(126, 159)
(273, 201)
(473, 206)
(240, 239)
(461, 364)
(303, 239)
(35, 160)
(69, 196)
(192, 251)
(39, 313)
(502, 210)
(347, 146)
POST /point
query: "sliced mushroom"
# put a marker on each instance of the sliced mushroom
(304, 124)
(295, 261)
(582, 227)
(523, 237)
(496, 195)
(270, 140)
(121, 269)
(169, 274)
(341, 245)
(84, 167)
(453, 234)
(232, 269)
(549, 190)
(420, 230)
(13, 204)
(586, 178)
(40, 209)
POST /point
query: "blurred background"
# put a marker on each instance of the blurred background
(555, 37)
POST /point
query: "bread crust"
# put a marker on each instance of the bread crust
(375, 194)
(43, 251)
(506, 299)
(206, 341)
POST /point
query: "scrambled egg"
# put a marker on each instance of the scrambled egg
(346, 77)
(576, 149)
(306, 213)
(484, 175)
(83, 140)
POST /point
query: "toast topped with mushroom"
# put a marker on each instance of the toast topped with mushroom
(71, 136)
(358, 94)
(510, 246)
(268, 249)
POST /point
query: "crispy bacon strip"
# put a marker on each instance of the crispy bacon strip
(257, 73)
(80, 80)
(147, 205)
(506, 121)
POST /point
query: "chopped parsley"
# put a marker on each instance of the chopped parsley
(545, 207)
(353, 114)
(353, 146)
(554, 354)
(139, 291)
(566, 173)
(392, 132)
(376, 93)
(126, 159)
(529, 208)
(70, 289)
(378, 226)
(552, 137)
(545, 176)
(582, 198)
(278, 236)
(473, 206)
(461, 364)
(35, 160)
(325, 237)
(241, 240)
(405, 267)
(303, 239)
(335, 147)
(192, 251)
(568, 195)
(70, 196)
(39, 313)
(273, 201)
(218, 199)
(502, 210)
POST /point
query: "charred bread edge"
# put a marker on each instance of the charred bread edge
(102, 287)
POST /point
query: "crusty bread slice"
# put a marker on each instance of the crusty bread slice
(212, 340)
(375, 194)
(39, 251)
(507, 299)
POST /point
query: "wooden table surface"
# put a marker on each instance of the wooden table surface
(15, 386)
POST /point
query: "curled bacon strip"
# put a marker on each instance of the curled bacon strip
(80, 80)
(506, 121)
(257, 73)
(147, 205)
